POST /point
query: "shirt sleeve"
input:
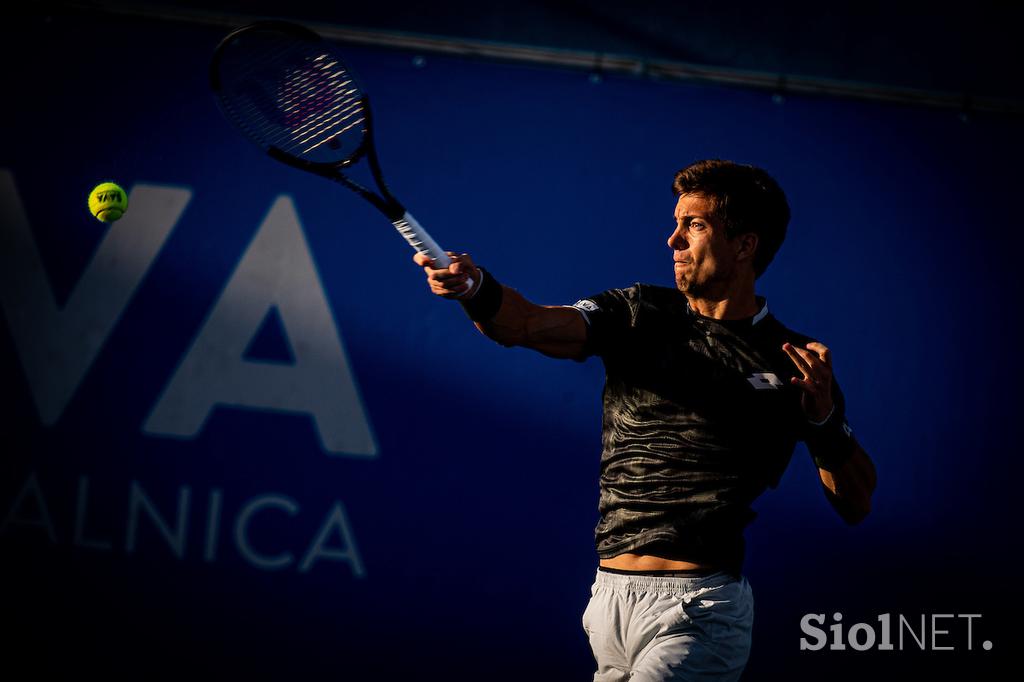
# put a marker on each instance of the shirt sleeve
(610, 316)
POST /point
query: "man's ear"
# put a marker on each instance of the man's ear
(746, 246)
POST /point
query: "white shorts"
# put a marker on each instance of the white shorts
(647, 628)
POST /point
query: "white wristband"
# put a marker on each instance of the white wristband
(822, 422)
(477, 286)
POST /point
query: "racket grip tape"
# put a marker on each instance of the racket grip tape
(422, 242)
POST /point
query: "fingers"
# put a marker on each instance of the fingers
(824, 354)
(798, 356)
(449, 282)
(813, 364)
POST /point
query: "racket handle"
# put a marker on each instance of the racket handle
(420, 240)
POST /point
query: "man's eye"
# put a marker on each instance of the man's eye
(696, 226)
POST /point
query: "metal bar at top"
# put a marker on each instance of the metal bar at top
(581, 60)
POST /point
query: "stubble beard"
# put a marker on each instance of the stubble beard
(687, 284)
(710, 285)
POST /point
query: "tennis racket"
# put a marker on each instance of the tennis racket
(287, 90)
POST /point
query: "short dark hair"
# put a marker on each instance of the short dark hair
(744, 198)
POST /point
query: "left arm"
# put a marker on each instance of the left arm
(849, 487)
(848, 478)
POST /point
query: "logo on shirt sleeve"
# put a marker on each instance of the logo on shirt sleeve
(585, 305)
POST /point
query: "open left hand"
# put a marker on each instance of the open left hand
(815, 363)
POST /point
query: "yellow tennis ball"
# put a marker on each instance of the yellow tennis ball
(108, 202)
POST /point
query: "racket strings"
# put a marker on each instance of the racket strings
(320, 99)
(295, 97)
(344, 110)
(328, 131)
(247, 69)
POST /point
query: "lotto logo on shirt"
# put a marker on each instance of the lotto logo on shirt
(765, 381)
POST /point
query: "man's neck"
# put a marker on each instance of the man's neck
(729, 307)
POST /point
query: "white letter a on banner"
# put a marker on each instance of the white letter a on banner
(276, 272)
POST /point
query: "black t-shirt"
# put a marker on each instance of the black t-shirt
(699, 419)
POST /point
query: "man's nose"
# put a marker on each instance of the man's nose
(677, 240)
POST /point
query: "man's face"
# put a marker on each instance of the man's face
(705, 259)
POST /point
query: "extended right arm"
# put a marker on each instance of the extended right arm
(555, 331)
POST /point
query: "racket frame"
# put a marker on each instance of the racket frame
(385, 201)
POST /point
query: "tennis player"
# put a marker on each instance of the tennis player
(706, 395)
